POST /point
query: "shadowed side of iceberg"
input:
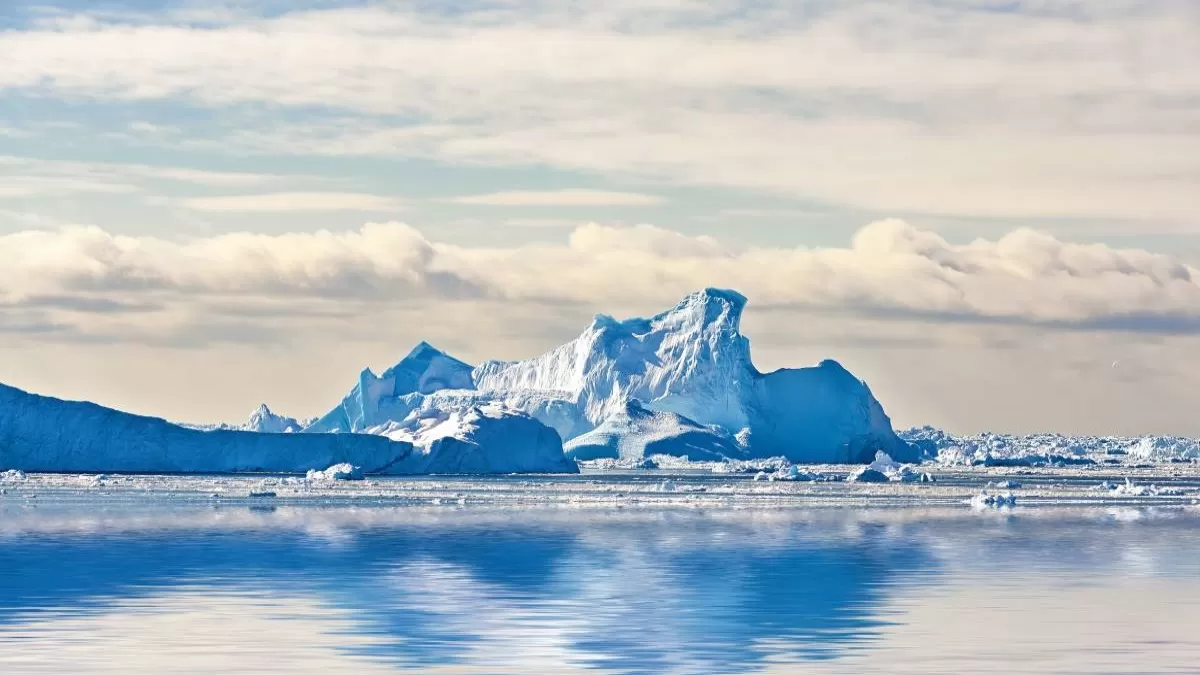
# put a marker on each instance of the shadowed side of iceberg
(41, 433)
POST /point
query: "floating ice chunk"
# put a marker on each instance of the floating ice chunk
(867, 475)
(12, 476)
(667, 485)
(1004, 484)
(1131, 489)
(342, 471)
(985, 501)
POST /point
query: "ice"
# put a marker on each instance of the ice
(693, 361)
(867, 474)
(480, 439)
(991, 449)
(1129, 488)
(12, 476)
(885, 469)
(679, 383)
(376, 400)
(264, 421)
(984, 500)
(39, 433)
(337, 472)
(635, 432)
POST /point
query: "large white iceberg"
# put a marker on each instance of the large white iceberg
(688, 367)
(692, 360)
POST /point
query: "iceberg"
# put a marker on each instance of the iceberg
(678, 383)
(693, 361)
(264, 421)
(41, 433)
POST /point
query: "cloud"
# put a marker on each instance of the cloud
(890, 271)
(46, 176)
(284, 202)
(1046, 109)
(561, 198)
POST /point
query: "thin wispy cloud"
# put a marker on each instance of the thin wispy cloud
(560, 198)
(289, 202)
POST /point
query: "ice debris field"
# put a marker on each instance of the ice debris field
(665, 409)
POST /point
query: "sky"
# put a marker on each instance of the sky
(987, 210)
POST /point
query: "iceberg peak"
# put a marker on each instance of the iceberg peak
(710, 306)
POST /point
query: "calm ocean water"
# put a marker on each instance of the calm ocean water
(140, 589)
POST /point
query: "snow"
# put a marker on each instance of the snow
(376, 400)
(635, 432)
(479, 439)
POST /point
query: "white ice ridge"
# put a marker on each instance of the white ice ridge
(680, 382)
(992, 449)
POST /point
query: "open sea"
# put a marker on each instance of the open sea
(191, 588)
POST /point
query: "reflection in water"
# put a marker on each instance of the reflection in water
(546, 591)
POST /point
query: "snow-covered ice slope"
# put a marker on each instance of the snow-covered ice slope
(39, 433)
(373, 400)
(480, 439)
(692, 360)
(636, 433)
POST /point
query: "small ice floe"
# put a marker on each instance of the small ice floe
(1004, 484)
(667, 485)
(336, 472)
(12, 476)
(985, 501)
(792, 473)
(884, 469)
(262, 494)
(907, 474)
(1131, 489)
(867, 474)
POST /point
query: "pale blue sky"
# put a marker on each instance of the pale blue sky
(498, 131)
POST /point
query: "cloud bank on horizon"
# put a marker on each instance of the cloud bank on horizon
(978, 195)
